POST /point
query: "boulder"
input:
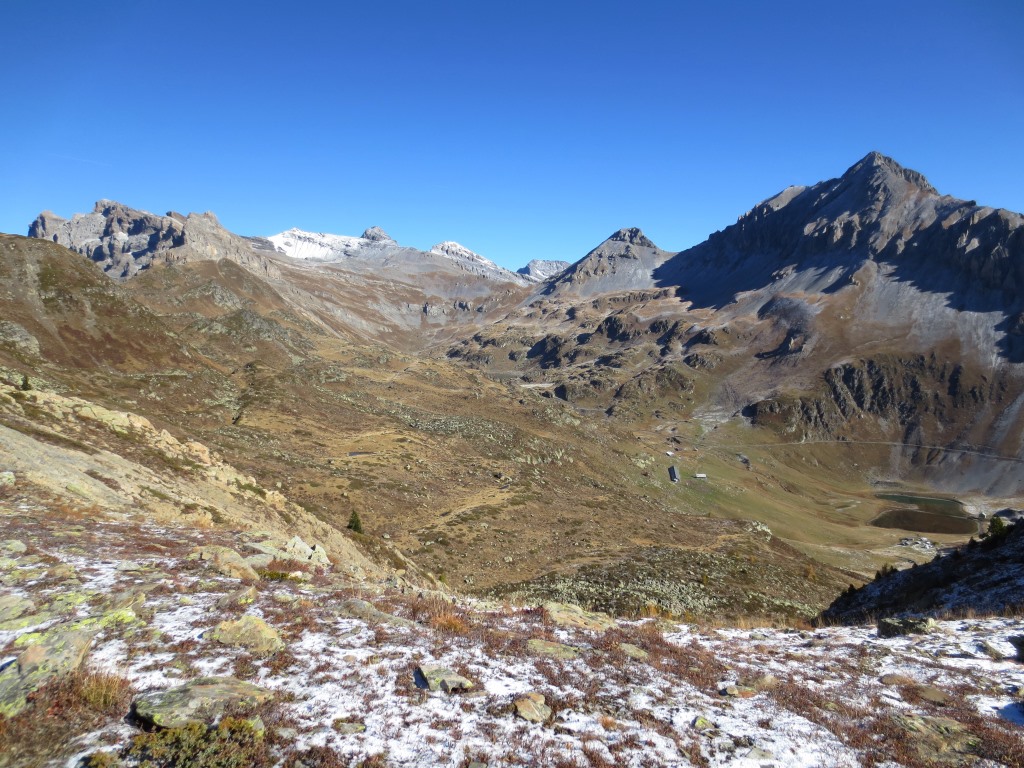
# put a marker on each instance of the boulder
(243, 596)
(437, 678)
(201, 701)
(1017, 641)
(249, 632)
(295, 549)
(531, 707)
(228, 562)
(908, 626)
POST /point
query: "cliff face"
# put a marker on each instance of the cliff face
(124, 240)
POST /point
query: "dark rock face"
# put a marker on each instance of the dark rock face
(876, 211)
(926, 399)
(986, 576)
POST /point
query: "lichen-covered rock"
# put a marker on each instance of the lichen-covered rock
(634, 651)
(249, 632)
(57, 652)
(199, 701)
(13, 606)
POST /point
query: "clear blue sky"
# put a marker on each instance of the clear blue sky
(522, 130)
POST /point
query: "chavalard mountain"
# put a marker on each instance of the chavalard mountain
(743, 427)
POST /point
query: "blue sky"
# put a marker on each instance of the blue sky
(522, 130)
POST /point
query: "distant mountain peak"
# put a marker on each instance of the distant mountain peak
(539, 270)
(377, 235)
(632, 236)
(459, 252)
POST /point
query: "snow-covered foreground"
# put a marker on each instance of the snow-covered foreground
(631, 693)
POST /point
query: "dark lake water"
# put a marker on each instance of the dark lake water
(926, 514)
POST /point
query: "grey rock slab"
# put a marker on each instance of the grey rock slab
(199, 701)
(439, 678)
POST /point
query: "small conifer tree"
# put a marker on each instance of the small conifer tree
(997, 528)
(354, 523)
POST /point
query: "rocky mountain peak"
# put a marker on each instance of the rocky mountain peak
(879, 171)
(377, 235)
(632, 236)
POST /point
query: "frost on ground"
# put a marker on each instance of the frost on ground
(348, 688)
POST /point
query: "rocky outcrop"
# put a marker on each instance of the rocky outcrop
(124, 240)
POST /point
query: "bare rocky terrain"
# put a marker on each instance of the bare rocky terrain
(736, 434)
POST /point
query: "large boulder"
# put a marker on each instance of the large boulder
(200, 701)
(250, 632)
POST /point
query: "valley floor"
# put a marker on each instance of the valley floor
(350, 678)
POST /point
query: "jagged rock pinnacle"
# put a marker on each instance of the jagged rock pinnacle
(633, 236)
(377, 235)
